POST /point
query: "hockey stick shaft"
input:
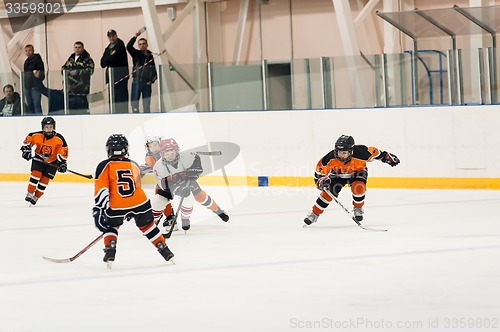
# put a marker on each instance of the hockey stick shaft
(169, 234)
(350, 214)
(87, 176)
(68, 260)
(209, 153)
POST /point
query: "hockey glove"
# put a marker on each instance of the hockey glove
(324, 182)
(63, 167)
(145, 168)
(26, 150)
(100, 219)
(390, 159)
(195, 170)
(183, 191)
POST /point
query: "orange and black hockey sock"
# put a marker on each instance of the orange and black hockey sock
(152, 232)
(322, 203)
(42, 184)
(34, 179)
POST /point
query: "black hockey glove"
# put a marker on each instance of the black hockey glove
(63, 166)
(389, 158)
(100, 219)
(183, 190)
(195, 170)
(145, 168)
(26, 150)
(324, 182)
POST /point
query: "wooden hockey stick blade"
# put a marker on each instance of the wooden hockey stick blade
(209, 153)
(68, 260)
(57, 260)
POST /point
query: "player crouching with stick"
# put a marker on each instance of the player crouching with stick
(345, 165)
(176, 174)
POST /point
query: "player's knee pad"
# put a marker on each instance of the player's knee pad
(358, 188)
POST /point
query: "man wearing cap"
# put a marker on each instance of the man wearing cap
(115, 57)
(144, 73)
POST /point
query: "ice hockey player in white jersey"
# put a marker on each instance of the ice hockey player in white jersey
(176, 174)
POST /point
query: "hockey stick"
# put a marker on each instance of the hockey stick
(169, 234)
(350, 214)
(209, 153)
(68, 260)
(87, 176)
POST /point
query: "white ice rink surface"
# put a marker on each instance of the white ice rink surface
(438, 266)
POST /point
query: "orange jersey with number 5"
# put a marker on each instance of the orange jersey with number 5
(118, 186)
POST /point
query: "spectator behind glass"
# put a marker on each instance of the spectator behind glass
(115, 57)
(144, 73)
(10, 105)
(80, 67)
(34, 74)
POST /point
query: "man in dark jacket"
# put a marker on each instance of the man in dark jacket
(144, 73)
(11, 104)
(79, 67)
(34, 74)
(115, 57)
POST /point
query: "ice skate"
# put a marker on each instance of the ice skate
(311, 218)
(186, 224)
(358, 215)
(109, 254)
(165, 252)
(31, 199)
(168, 223)
(222, 215)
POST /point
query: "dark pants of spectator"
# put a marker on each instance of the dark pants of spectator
(139, 88)
(120, 98)
(76, 104)
(33, 99)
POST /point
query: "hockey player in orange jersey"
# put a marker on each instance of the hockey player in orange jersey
(345, 165)
(152, 156)
(51, 154)
(118, 195)
(176, 174)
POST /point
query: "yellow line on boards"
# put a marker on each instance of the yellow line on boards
(301, 181)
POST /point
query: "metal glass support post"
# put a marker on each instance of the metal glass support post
(385, 79)
(379, 94)
(307, 77)
(66, 92)
(492, 71)
(480, 65)
(111, 91)
(326, 82)
(210, 95)
(459, 76)
(265, 85)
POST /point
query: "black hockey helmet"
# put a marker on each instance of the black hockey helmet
(117, 145)
(344, 143)
(48, 120)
